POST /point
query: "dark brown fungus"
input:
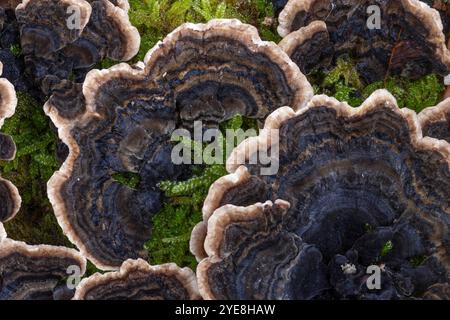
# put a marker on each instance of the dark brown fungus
(310, 47)
(409, 40)
(120, 40)
(440, 5)
(45, 25)
(63, 40)
(37, 272)
(206, 72)
(9, 200)
(435, 121)
(360, 186)
(137, 280)
(9, 196)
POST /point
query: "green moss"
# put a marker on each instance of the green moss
(172, 226)
(417, 261)
(16, 50)
(91, 269)
(387, 247)
(34, 164)
(189, 187)
(413, 94)
(343, 83)
(207, 10)
(345, 72)
(129, 179)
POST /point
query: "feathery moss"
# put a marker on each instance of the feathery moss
(343, 83)
(173, 224)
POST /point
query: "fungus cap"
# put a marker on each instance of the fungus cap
(63, 40)
(409, 42)
(137, 280)
(352, 180)
(35, 272)
(435, 121)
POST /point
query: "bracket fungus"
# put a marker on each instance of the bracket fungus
(435, 121)
(444, 10)
(137, 280)
(360, 187)
(9, 195)
(36, 272)
(199, 72)
(405, 39)
(62, 40)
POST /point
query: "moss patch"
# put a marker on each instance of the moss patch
(34, 164)
(172, 226)
(344, 84)
(128, 179)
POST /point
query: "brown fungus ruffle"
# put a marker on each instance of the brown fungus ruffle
(440, 291)
(9, 195)
(352, 180)
(444, 10)
(435, 121)
(206, 72)
(137, 280)
(409, 43)
(36, 272)
(2, 232)
(55, 51)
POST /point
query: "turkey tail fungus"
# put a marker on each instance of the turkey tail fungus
(199, 72)
(435, 121)
(36, 272)
(137, 280)
(360, 187)
(406, 40)
(62, 40)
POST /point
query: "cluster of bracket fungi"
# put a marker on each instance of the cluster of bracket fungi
(350, 180)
